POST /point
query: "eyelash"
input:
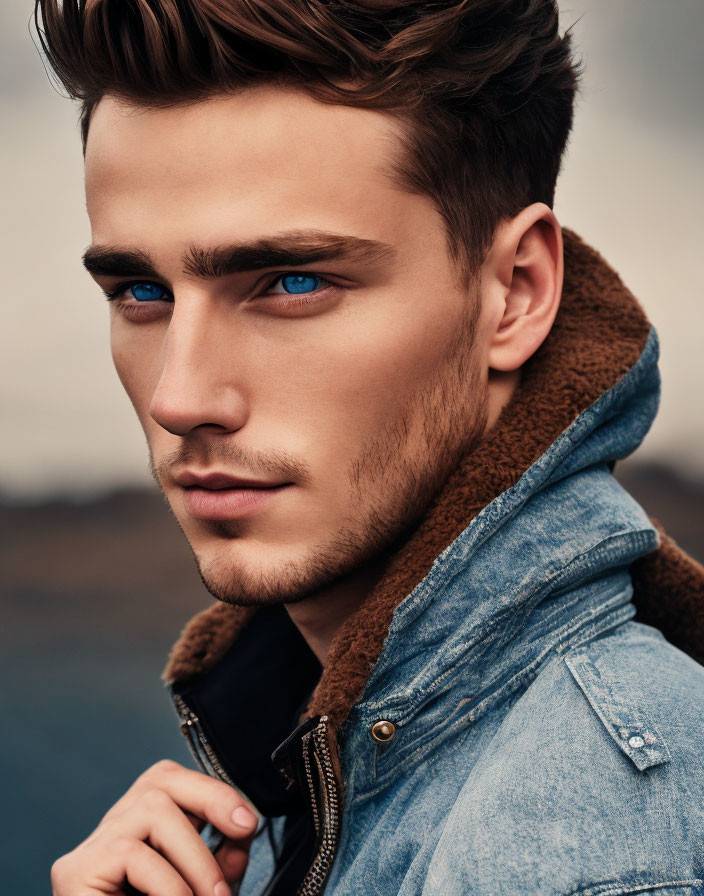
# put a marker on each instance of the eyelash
(292, 298)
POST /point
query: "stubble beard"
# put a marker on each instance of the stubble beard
(393, 480)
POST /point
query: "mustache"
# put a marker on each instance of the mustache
(231, 458)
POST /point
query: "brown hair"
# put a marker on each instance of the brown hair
(485, 87)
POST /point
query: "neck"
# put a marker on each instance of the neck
(319, 616)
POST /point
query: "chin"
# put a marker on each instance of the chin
(243, 572)
(246, 578)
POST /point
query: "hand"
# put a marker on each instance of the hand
(150, 840)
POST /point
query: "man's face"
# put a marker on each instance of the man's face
(328, 377)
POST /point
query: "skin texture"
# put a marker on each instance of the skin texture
(358, 398)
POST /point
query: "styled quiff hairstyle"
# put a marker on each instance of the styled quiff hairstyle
(485, 88)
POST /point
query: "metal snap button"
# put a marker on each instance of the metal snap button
(636, 742)
(383, 731)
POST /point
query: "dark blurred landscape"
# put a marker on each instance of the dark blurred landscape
(93, 594)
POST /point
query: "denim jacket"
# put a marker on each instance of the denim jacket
(516, 730)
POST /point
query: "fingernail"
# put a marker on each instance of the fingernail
(244, 818)
(222, 889)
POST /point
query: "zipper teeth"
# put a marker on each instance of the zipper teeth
(314, 880)
(317, 743)
(189, 720)
(311, 785)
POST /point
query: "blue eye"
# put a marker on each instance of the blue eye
(299, 283)
(147, 292)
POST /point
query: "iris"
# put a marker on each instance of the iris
(147, 292)
(296, 283)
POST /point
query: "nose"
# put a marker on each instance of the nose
(198, 384)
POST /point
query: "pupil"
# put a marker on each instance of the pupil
(144, 292)
(299, 283)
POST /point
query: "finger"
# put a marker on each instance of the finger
(232, 859)
(157, 819)
(151, 874)
(198, 823)
(197, 794)
(95, 870)
(146, 781)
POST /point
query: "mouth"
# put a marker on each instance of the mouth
(220, 496)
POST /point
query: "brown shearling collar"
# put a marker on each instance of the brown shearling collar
(598, 335)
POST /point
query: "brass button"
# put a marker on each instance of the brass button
(383, 731)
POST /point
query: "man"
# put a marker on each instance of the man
(384, 406)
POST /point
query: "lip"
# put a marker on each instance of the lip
(217, 481)
(220, 496)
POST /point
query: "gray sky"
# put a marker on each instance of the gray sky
(631, 185)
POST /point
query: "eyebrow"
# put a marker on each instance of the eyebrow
(105, 261)
(292, 249)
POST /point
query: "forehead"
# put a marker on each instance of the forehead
(265, 158)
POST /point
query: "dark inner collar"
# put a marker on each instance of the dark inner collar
(251, 701)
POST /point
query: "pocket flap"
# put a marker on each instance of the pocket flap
(629, 726)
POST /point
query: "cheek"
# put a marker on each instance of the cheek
(135, 360)
(359, 374)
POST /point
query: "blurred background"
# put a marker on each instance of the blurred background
(96, 580)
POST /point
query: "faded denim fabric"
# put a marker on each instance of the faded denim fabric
(545, 742)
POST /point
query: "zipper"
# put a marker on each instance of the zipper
(320, 777)
(198, 744)
(208, 762)
(325, 804)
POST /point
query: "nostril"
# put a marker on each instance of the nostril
(190, 412)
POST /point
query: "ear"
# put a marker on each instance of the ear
(522, 282)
